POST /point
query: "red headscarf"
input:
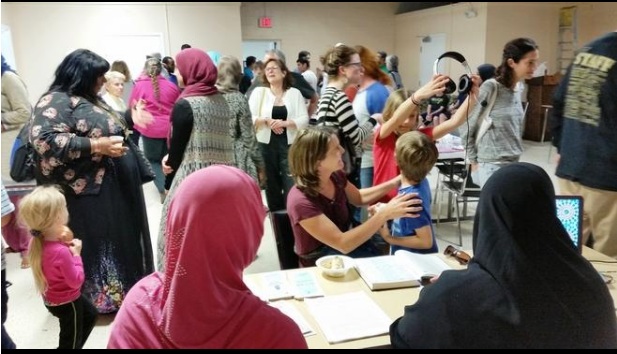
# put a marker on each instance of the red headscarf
(214, 228)
(198, 72)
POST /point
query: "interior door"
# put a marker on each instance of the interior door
(431, 47)
(258, 48)
(132, 48)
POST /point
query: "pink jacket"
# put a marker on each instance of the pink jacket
(64, 273)
(160, 109)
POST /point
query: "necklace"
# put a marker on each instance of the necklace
(278, 98)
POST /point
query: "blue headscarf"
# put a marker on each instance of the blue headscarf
(215, 56)
(6, 66)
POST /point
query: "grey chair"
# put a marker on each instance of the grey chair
(448, 171)
(462, 190)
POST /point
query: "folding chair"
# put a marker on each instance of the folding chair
(448, 170)
(284, 237)
(462, 190)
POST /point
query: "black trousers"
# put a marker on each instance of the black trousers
(278, 178)
(77, 319)
(7, 342)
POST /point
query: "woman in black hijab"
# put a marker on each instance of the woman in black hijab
(487, 71)
(525, 287)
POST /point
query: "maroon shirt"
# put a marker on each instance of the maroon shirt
(301, 206)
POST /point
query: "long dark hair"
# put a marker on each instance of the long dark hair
(78, 73)
(516, 49)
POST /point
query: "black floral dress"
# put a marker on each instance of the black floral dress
(104, 195)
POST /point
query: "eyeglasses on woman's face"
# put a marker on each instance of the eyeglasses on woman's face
(357, 64)
(272, 68)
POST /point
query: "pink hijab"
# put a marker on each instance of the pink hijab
(214, 228)
(198, 72)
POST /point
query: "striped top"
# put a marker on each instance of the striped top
(337, 111)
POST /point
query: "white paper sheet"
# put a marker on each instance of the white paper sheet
(292, 312)
(348, 316)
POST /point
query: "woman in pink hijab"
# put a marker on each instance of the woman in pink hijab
(214, 230)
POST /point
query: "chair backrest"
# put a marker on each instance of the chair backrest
(452, 170)
(284, 236)
(462, 184)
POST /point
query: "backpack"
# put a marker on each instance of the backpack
(22, 156)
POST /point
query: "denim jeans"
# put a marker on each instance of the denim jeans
(154, 150)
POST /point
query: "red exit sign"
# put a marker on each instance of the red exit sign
(265, 22)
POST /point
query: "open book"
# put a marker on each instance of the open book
(401, 270)
(279, 285)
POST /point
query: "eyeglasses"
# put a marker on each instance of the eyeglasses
(272, 68)
(461, 256)
(357, 65)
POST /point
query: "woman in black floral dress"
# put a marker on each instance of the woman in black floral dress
(80, 144)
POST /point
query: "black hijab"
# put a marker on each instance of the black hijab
(486, 71)
(526, 286)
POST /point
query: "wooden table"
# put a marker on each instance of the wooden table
(394, 301)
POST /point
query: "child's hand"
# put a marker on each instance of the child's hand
(67, 234)
(433, 87)
(75, 247)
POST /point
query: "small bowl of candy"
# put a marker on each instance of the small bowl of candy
(335, 265)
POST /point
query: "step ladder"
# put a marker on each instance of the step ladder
(568, 37)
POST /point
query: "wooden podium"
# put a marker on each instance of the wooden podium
(539, 93)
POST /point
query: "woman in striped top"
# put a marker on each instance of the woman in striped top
(343, 66)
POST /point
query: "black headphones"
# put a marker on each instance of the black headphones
(464, 83)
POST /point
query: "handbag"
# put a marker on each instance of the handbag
(350, 160)
(146, 172)
(22, 156)
(145, 168)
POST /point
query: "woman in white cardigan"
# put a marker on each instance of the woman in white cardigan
(278, 112)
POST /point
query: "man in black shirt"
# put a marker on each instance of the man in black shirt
(584, 129)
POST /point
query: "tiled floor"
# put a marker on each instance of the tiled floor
(31, 326)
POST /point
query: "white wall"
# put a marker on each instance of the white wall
(44, 33)
(316, 26)
(7, 47)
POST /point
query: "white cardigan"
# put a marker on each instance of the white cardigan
(263, 98)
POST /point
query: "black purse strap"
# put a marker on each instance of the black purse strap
(126, 132)
(322, 119)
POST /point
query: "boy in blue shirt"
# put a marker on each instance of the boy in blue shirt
(416, 154)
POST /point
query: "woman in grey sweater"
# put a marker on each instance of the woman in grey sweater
(502, 142)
